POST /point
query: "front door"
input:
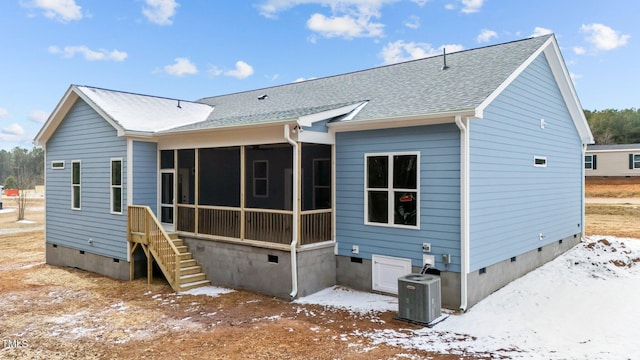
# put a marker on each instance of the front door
(167, 199)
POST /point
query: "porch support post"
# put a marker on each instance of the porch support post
(242, 191)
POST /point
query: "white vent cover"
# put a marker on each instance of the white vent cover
(386, 271)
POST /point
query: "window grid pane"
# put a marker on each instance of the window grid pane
(377, 172)
(116, 172)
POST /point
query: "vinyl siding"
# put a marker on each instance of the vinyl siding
(85, 136)
(511, 200)
(145, 174)
(439, 148)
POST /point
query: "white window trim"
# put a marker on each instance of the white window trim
(79, 185)
(111, 186)
(636, 159)
(315, 186)
(57, 167)
(588, 162)
(535, 161)
(265, 179)
(390, 190)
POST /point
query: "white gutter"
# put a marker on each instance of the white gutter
(294, 207)
(464, 209)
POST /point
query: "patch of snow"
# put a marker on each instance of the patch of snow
(354, 301)
(26, 222)
(582, 305)
(7, 210)
(212, 291)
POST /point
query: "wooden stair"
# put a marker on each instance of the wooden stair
(191, 274)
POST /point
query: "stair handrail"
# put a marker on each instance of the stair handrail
(160, 245)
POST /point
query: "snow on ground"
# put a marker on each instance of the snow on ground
(583, 305)
(212, 291)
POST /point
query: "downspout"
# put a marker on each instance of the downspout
(464, 209)
(583, 227)
(294, 207)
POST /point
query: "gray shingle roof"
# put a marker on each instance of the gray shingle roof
(620, 147)
(418, 87)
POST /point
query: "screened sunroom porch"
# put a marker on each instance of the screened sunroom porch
(247, 193)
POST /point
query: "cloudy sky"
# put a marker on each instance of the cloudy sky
(193, 49)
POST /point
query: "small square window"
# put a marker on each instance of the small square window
(57, 165)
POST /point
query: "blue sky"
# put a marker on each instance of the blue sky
(198, 48)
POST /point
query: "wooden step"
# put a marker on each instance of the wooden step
(185, 256)
(192, 277)
(188, 262)
(193, 285)
(182, 249)
(177, 242)
(186, 270)
(173, 236)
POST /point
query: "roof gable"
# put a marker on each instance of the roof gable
(128, 113)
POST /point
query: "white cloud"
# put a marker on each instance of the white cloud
(486, 35)
(4, 113)
(160, 12)
(400, 51)
(90, 55)
(471, 6)
(413, 22)
(540, 31)
(603, 37)
(242, 70)
(181, 67)
(59, 10)
(348, 18)
(579, 50)
(575, 77)
(344, 26)
(38, 116)
(450, 7)
(13, 129)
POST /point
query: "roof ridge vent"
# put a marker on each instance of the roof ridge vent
(444, 59)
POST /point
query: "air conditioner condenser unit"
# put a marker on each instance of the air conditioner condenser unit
(419, 298)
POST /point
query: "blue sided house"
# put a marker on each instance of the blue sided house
(469, 163)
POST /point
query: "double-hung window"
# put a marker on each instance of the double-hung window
(75, 184)
(261, 178)
(116, 186)
(589, 163)
(634, 161)
(391, 189)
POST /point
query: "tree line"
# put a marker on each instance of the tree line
(21, 168)
(614, 126)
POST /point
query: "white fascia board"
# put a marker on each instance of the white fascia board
(316, 137)
(398, 122)
(308, 120)
(509, 80)
(60, 111)
(612, 150)
(563, 79)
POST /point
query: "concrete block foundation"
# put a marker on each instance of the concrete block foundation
(116, 268)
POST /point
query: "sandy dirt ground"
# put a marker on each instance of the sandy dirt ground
(49, 312)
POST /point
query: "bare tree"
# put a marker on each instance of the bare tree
(25, 180)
